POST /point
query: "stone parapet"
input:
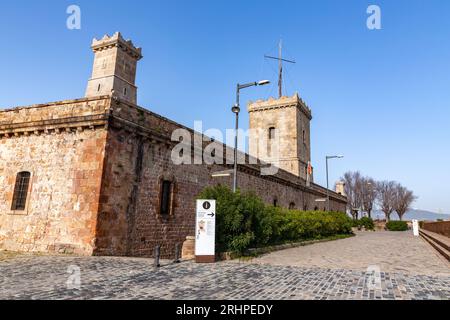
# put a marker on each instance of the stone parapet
(116, 40)
(283, 102)
(57, 116)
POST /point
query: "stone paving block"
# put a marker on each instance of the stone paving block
(128, 278)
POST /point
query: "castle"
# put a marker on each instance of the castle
(94, 176)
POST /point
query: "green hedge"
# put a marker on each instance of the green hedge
(365, 222)
(244, 221)
(397, 226)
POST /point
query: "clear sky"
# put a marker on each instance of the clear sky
(379, 97)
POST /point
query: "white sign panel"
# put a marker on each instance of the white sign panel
(205, 228)
(415, 224)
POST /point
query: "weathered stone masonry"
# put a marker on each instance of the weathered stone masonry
(97, 167)
(62, 146)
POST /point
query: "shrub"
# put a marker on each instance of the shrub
(397, 226)
(241, 219)
(367, 223)
(244, 221)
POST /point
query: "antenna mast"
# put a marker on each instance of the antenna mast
(280, 67)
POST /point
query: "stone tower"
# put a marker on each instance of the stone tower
(282, 125)
(340, 188)
(114, 68)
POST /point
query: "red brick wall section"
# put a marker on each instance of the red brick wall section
(136, 163)
(441, 227)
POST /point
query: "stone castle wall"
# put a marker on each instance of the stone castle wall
(97, 166)
(62, 146)
(138, 159)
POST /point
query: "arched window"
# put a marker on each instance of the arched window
(291, 206)
(21, 191)
(316, 208)
(275, 202)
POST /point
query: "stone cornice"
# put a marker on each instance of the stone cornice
(59, 116)
(121, 123)
(59, 125)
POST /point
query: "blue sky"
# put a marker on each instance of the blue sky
(381, 98)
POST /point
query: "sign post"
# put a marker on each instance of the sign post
(415, 224)
(205, 232)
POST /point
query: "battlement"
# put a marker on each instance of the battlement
(283, 102)
(116, 40)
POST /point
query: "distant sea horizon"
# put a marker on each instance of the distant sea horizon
(415, 214)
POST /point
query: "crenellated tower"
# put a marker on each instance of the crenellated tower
(114, 68)
(280, 134)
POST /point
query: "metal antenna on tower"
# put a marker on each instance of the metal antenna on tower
(280, 66)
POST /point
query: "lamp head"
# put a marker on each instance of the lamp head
(263, 82)
(335, 157)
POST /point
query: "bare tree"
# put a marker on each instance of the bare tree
(386, 197)
(403, 200)
(368, 194)
(364, 192)
(352, 182)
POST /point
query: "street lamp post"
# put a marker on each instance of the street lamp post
(236, 109)
(328, 186)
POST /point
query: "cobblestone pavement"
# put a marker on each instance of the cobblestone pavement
(398, 252)
(46, 277)
(408, 269)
